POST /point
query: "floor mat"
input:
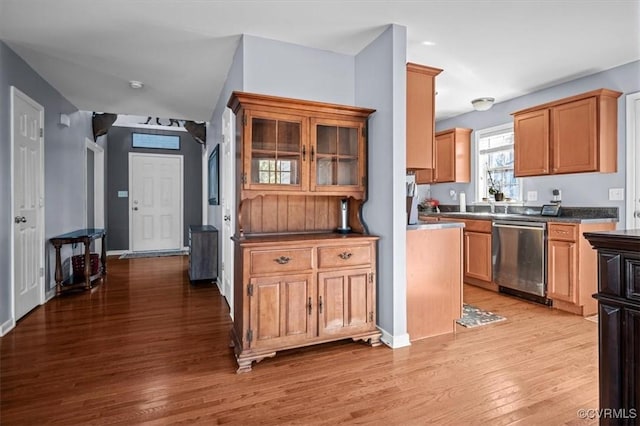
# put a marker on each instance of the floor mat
(153, 253)
(475, 317)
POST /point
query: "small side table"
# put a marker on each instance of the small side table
(79, 236)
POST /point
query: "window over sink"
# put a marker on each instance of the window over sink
(495, 162)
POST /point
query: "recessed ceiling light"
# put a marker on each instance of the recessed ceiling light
(134, 84)
(428, 43)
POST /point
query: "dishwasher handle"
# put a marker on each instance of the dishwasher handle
(540, 227)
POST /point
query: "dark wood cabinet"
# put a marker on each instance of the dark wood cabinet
(619, 323)
(203, 252)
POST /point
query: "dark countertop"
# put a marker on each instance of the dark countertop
(520, 217)
(621, 239)
(529, 213)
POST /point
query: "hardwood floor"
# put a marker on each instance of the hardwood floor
(148, 347)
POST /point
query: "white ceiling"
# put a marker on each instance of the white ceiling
(182, 49)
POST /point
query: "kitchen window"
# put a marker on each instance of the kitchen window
(495, 158)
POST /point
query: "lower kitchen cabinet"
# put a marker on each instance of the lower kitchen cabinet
(477, 256)
(302, 291)
(562, 263)
(572, 274)
(434, 281)
(478, 268)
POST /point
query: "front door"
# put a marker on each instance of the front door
(155, 202)
(228, 203)
(27, 122)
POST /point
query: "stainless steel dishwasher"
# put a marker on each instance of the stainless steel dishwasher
(519, 258)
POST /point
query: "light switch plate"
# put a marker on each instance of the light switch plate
(532, 195)
(616, 194)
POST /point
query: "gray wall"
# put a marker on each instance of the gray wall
(580, 189)
(381, 84)
(234, 81)
(118, 180)
(64, 153)
(290, 70)
(374, 78)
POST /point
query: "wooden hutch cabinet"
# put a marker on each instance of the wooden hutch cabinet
(571, 135)
(297, 281)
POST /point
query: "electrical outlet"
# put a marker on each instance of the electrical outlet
(616, 194)
(532, 195)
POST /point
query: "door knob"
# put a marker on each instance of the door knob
(135, 208)
(20, 219)
(636, 214)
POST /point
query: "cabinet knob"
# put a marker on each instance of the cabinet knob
(345, 255)
(20, 219)
(227, 218)
(282, 260)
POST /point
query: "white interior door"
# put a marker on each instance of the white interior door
(633, 161)
(27, 123)
(155, 202)
(228, 205)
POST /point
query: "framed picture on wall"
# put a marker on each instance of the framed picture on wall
(214, 178)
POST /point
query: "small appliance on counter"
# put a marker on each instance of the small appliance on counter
(412, 203)
(344, 228)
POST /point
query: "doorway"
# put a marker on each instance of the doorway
(27, 193)
(228, 206)
(155, 202)
(633, 161)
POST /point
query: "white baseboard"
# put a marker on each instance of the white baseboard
(394, 342)
(7, 326)
(185, 250)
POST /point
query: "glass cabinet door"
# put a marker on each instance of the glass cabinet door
(339, 151)
(276, 152)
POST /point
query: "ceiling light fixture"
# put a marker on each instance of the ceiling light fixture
(482, 104)
(428, 43)
(134, 84)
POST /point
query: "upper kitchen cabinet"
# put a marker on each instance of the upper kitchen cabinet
(451, 158)
(420, 115)
(571, 135)
(452, 153)
(299, 147)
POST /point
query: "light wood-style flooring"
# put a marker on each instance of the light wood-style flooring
(146, 346)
